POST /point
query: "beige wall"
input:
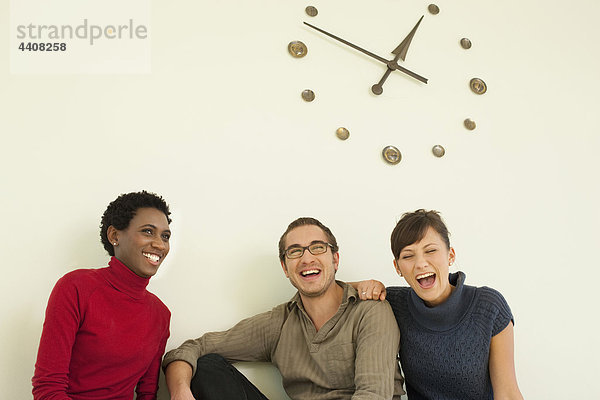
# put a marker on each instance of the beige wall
(219, 129)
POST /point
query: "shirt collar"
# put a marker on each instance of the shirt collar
(349, 293)
(447, 315)
(124, 280)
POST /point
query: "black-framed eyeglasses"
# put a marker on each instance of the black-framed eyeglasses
(315, 248)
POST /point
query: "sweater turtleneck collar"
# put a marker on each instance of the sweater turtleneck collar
(124, 280)
(447, 315)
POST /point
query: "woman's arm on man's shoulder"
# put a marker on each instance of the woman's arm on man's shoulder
(369, 290)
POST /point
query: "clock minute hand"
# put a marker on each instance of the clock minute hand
(392, 65)
(375, 56)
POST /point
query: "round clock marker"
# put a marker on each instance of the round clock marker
(308, 95)
(433, 9)
(297, 49)
(438, 151)
(391, 155)
(478, 86)
(470, 124)
(342, 133)
(311, 11)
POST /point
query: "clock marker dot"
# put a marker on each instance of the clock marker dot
(438, 151)
(465, 43)
(478, 86)
(308, 95)
(391, 155)
(342, 133)
(433, 9)
(297, 49)
(311, 11)
(470, 124)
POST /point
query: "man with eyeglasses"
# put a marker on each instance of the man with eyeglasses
(326, 343)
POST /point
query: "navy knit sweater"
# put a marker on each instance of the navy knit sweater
(444, 350)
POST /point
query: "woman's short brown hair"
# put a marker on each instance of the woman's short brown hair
(413, 226)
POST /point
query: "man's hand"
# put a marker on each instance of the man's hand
(370, 290)
(179, 376)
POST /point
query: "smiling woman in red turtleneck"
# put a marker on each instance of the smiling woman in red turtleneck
(104, 334)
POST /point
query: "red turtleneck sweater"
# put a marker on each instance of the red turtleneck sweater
(103, 336)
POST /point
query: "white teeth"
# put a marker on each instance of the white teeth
(310, 271)
(152, 257)
(425, 275)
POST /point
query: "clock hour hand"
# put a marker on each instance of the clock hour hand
(392, 64)
(400, 53)
(402, 48)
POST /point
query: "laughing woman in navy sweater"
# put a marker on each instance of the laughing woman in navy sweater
(104, 333)
(456, 340)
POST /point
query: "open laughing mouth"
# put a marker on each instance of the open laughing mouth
(310, 273)
(426, 280)
(153, 258)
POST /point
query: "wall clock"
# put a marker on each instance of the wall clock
(413, 55)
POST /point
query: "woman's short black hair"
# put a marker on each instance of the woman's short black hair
(122, 210)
